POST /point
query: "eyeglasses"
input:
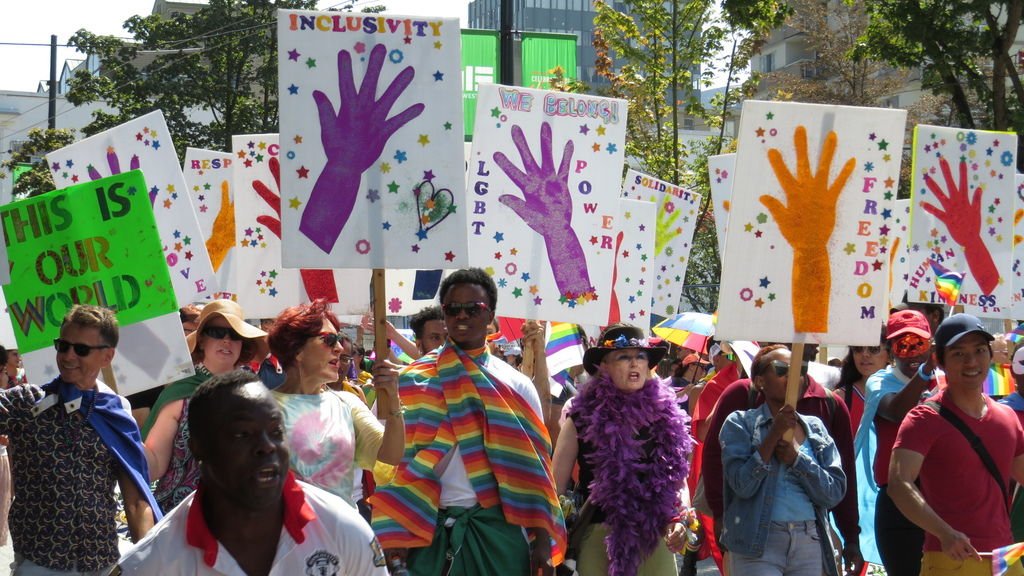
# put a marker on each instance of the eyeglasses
(780, 367)
(910, 346)
(470, 308)
(330, 338)
(82, 350)
(869, 350)
(220, 332)
(344, 359)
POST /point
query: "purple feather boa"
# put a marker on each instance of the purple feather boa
(637, 512)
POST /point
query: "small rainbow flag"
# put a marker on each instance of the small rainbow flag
(1000, 381)
(564, 346)
(1016, 335)
(947, 282)
(1003, 558)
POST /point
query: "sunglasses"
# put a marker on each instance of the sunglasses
(910, 346)
(329, 338)
(82, 350)
(470, 308)
(780, 367)
(220, 332)
(869, 350)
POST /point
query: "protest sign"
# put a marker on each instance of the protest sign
(208, 180)
(811, 221)
(1018, 249)
(633, 275)
(92, 243)
(673, 234)
(899, 258)
(264, 286)
(962, 215)
(544, 171)
(410, 291)
(721, 172)
(145, 143)
(371, 124)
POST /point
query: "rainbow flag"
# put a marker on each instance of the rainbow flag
(947, 282)
(1000, 381)
(1003, 558)
(1016, 335)
(564, 347)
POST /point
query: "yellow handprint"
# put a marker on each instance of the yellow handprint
(222, 237)
(663, 230)
(807, 222)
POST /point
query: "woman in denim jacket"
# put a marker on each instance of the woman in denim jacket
(777, 493)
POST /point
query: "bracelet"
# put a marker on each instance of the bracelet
(399, 412)
(923, 376)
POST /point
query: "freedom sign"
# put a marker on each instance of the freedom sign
(94, 243)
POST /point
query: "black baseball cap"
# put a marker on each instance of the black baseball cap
(956, 327)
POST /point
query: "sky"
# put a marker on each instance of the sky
(25, 66)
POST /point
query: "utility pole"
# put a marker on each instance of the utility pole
(506, 62)
(52, 123)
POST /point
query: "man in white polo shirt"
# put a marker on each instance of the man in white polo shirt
(249, 515)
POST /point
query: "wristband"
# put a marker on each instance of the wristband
(399, 412)
(922, 376)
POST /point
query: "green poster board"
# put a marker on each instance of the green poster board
(542, 53)
(93, 243)
(479, 65)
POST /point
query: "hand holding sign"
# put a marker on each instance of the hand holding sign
(810, 199)
(353, 138)
(962, 217)
(546, 207)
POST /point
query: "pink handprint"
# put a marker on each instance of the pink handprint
(546, 207)
(962, 217)
(353, 138)
(318, 283)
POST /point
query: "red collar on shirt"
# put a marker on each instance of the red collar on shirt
(297, 513)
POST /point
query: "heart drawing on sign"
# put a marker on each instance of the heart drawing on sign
(432, 206)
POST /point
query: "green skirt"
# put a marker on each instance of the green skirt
(478, 541)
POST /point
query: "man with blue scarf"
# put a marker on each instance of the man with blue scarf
(71, 440)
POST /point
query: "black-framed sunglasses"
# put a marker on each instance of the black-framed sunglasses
(220, 332)
(329, 338)
(82, 350)
(470, 308)
(780, 367)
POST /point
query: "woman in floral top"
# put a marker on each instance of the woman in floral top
(222, 342)
(330, 433)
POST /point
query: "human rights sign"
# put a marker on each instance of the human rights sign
(93, 243)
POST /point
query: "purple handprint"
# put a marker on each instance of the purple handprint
(115, 168)
(353, 138)
(546, 207)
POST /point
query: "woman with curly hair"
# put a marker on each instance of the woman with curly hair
(630, 439)
(331, 434)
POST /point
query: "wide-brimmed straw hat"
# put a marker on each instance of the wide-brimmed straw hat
(622, 336)
(231, 312)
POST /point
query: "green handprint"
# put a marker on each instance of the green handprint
(664, 232)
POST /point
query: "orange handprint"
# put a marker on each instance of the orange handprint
(222, 236)
(807, 222)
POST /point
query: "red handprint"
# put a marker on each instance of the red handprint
(962, 217)
(318, 283)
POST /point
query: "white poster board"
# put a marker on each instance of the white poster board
(208, 180)
(634, 265)
(721, 173)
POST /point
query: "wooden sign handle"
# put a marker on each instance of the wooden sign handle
(108, 377)
(796, 362)
(378, 301)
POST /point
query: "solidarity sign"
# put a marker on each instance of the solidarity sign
(93, 243)
(811, 223)
(371, 129)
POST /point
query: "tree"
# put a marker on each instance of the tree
(39, 142)
(220, 62)
(964, 50)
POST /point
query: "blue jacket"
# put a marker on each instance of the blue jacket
(750, 482)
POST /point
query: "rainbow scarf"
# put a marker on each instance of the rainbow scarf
(450, 398)
(1003, 558)
(999, 381)
(947, 282)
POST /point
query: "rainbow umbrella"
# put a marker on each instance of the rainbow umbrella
(689, 329)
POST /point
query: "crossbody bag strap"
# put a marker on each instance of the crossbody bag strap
(975, 443)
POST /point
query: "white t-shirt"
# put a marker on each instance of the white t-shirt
(456, 490)
(337, 542)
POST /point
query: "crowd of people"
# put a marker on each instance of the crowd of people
(290, 451)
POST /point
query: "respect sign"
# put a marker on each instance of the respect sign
(93, 243)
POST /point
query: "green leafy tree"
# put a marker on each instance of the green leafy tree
(213, 73)
(39, 142)
(963, 48)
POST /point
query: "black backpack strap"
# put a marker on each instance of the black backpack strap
(975, 443)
